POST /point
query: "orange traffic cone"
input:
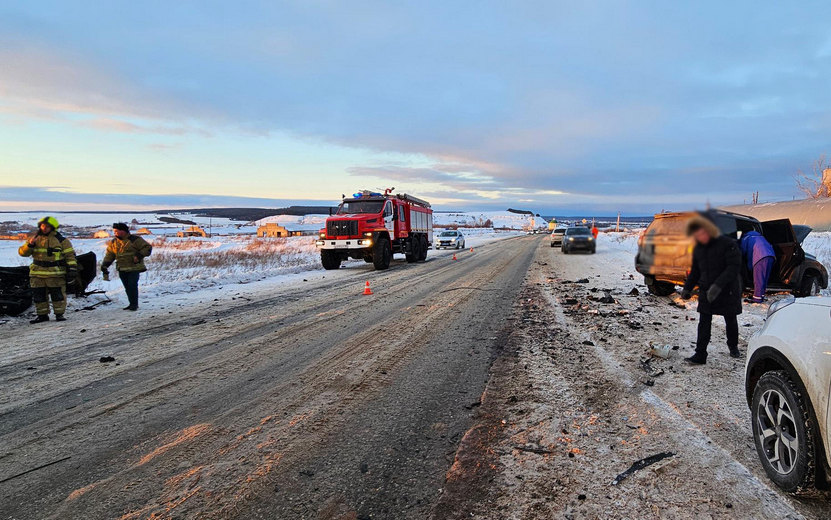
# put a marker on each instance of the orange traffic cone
(471, 249)
(367, 290)
(454, 256)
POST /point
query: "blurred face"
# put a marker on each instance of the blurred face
(701, 236)
(45, 228)
(120, 233)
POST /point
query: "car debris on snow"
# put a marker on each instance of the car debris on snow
(642, 463)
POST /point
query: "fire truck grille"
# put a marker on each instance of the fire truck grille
(342, 228)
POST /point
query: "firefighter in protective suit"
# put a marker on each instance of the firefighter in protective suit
(53, 261)
(128, 251)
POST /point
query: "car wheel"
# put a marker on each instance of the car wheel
(415, 250)
(661, 288)
(329, 259)
(809, 286)
(381, 254)
(784, 432)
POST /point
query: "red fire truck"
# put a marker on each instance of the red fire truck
(374, 226)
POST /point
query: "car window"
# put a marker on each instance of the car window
(578, 231)
(668, 226)
(359, 206)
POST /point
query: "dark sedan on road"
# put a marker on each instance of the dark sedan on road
(579, 238)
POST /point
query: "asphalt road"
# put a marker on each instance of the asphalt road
(311, 402)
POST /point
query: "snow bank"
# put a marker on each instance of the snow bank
(495, 219)
(296, 222)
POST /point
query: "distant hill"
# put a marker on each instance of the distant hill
(251, 214)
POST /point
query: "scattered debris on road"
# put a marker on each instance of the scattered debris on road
(642, 463)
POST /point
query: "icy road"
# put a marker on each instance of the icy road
(489, 387)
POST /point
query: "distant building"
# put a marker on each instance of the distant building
(272, 230)
(192, 231)
(101, 234)
(143, 231)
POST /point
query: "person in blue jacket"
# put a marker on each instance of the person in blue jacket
(760, 256)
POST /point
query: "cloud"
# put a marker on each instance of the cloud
(613, 104)
(32, 198)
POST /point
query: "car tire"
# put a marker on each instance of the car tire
(784, 432)
(808, 286)
(565, 251)
(660, 288)
(415, 250)
(330, 259)
(381, 254)
(424, 248)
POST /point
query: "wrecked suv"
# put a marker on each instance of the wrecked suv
(665, 252)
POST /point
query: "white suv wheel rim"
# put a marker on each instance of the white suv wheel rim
(777, 431)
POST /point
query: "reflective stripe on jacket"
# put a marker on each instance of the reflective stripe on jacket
(51, 255)
(124, 250)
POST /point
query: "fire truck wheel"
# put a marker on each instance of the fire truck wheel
(381, 254)
(424, 248)
(329, 259)
(415, 250)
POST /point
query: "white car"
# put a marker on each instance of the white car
(787, 382)
(450, 238)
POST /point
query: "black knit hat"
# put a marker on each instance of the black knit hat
(122, 226)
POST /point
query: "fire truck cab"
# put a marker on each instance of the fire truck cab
(374, 226)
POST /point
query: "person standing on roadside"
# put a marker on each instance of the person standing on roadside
(595, 231)
(760, 256)
(53, 261)
(716, 270)
(129, 252)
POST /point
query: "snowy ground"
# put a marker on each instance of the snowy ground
(577, 399)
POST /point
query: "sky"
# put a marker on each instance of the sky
(560, 107)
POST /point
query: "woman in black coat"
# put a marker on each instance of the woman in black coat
(716, 270)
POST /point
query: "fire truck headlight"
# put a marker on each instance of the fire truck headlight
(322, 234)
(319, 242)
(368, 234)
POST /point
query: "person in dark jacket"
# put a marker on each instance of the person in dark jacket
(760, 256)
(716, 270)
(128, 251)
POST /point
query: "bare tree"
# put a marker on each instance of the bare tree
(815, 184)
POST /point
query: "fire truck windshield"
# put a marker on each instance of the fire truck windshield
(352, 207)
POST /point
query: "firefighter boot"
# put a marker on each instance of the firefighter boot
(59, 317)
(40, 319)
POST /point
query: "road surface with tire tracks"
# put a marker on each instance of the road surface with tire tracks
(309, 402)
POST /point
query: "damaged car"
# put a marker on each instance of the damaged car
(787, 384)
(664, 255)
